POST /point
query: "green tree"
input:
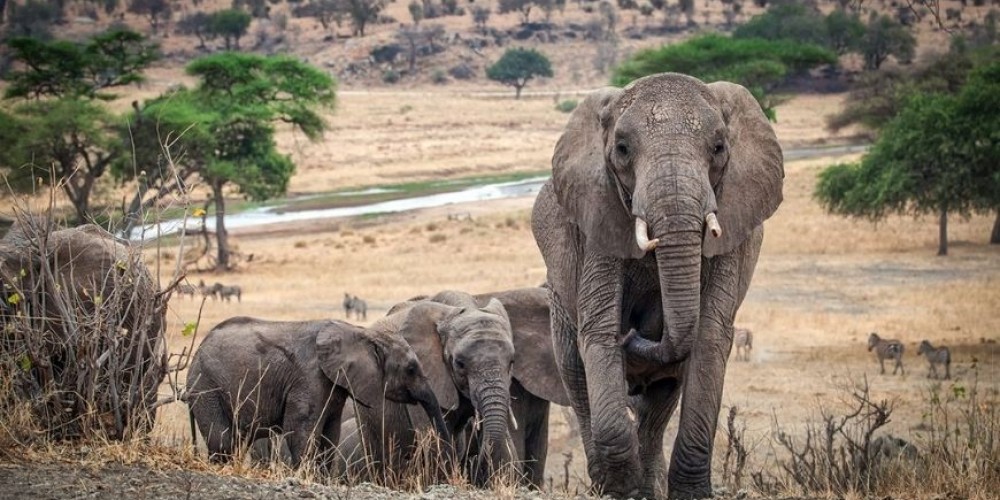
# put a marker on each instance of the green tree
(844, 31)
(231, 25)
(198, 24)
(517, 66)
(223, 131)
(789, 21)
(155, 11)
(65, 69)
(61, 133)
(937, 156)
(759, 65)
(521, 6)
(878, 96)
(363, 12)
(69, 141)
(326, 12)
(884, 37)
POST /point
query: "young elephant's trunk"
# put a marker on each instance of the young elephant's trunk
(492, 401)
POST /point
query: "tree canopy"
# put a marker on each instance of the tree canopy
(223, 131)
(517, 66)
(937, 156)
(759, 65)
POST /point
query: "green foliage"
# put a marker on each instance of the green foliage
(789, 21)
(62, 68)
(416, 11)
(886, 37)
(231, 25)
(223, 130)
(363, 12)
(521, 6)
(566, 106)
(391, 76)
(937, 156)
(844, 31)
(757, 64)
(54, 140)
(326, 12)
(198, 24)
(517, 66)
(878, 96)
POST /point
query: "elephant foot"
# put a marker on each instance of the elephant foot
(689, 491)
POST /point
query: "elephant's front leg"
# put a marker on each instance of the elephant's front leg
(654, 408)
(728, 280)
(302, 424)
(612, 426)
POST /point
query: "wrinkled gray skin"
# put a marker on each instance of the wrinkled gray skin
(535, 382)
(633, 330)
(294, 377)
(467, 349)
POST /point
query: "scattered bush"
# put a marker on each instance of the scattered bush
(438, 238)
(390, 76)
(439, 77)
(566, 106)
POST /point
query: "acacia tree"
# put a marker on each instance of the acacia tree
(223, 131)
(363, 12)
(937, 156)
(61, 133)
(884, 37)
(155, 11)
(231, 25)
(517, 66)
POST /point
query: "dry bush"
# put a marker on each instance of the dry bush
(82, 350)
(954, 451)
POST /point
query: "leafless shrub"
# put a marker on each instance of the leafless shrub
(82, 350)
(735, 461)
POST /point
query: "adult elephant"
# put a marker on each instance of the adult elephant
(251, 377)
(650, 228)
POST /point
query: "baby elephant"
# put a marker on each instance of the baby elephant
(251, 377)
(886, 349)
(936, 356)
(743, 341)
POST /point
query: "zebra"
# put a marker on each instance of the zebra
(228, 292)
(936, 356)
(348, 305)
(743, 341)
(887, 348)
(208, 291)
(186, 289)
(359, 307)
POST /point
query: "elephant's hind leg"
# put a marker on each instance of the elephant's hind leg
(216, 425)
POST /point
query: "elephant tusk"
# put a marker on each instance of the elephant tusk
(631, 414)
(642, 236)
(713, 224)
(513, 420)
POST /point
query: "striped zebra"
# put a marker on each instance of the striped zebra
(936, 356)
(227, 292)
(186, 289)
(886, 349)
(743, 341)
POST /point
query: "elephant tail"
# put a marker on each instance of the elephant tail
(194, 435)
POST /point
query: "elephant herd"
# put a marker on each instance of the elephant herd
(452, 354)
(650, 230)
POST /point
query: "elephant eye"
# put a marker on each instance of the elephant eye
(459, 364)
(720, 146)
(411, 369)
(622, 149)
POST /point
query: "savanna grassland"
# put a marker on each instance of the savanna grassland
(822, 283)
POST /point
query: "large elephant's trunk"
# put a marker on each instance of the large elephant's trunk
(426, 399)
(679, 212)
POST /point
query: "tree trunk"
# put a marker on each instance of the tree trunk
(995, 236)
(943, 233)
(221, 238)
(517, 91)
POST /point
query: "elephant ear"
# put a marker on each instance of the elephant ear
(347, 357)
(750, 188)
(420, 329)
(534, 358)
(582, 183)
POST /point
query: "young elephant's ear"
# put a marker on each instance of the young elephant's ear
(750, 188)
(534, 358)
(420, 329)
(347, 357)
(582, 183)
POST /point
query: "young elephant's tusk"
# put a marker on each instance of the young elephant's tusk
(642, 236)
(713, 225)
(513, 420)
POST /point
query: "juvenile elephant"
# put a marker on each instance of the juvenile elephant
(251, 377)
(533, 380)
(650, 229)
